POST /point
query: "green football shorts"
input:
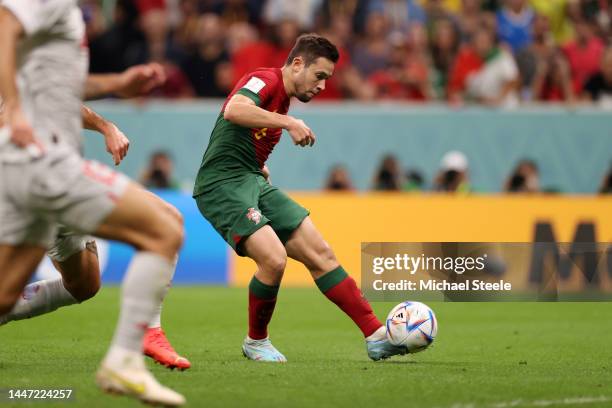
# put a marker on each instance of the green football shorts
(238, 208)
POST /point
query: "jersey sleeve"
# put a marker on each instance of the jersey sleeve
(38, 15)
(260, 87)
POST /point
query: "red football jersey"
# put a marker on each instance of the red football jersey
(265, 87)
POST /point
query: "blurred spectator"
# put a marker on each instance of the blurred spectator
(445, 45)
(353, 10)
(371, 54)
(583, 54)
(491, 5)
(346, 81)
(496, 82)
(238, 35)
(339, 179)
(302, 11)
(514, 23)
(388, 176)
(414, 181)
(557, 13)
(284, 35)
(453, 173)
(467, 62)
(122, 45)
(247, 51)
(187, 31)
(452, 6)
(257, 53)
(599, 86)
(606, 183)
(436, 10)
(525, 178)
(544, 70)
(407, 75)
(159, 47)
(399, 14)
(471, 17)
(158, 173)
(552, 81)
(236, 11)
(207, 66)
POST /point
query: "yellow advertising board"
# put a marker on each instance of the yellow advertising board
(347, 220)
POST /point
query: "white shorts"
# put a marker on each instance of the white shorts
(68, 243)
(61, 188)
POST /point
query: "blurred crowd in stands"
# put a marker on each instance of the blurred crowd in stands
(493, 52)
(453, 176)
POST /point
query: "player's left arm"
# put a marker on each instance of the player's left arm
(117, 144)
(135, 81)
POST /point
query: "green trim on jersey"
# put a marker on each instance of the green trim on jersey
(250, 94)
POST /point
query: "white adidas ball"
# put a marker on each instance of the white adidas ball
(413, 325)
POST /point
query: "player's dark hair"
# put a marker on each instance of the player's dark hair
(313, 46)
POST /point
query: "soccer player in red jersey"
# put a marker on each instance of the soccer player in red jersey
(256, 218)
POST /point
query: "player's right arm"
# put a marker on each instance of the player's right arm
(243, 111)
(134, 81)
(117, 144)
(11, 29)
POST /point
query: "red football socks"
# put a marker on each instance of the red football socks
(262, 299)
(341, 289)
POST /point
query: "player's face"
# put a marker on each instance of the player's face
(310, 80)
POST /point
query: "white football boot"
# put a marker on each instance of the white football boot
(131, 378)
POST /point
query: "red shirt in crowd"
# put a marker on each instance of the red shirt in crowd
(466, 63)
(583, 61)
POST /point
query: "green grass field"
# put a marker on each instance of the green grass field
(493, 355)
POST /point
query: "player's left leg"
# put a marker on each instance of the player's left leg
(307, 246)
(155, 343)
(232, 208)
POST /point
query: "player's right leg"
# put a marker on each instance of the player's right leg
(264, 247)
(75, 256)
(17, 264)
(307, 246)
(157, 237)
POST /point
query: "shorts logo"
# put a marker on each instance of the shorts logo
(254, 215)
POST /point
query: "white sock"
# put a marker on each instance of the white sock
(143, 285)
(118, 356)
(39, 298)
(378, 335)
(156, 321)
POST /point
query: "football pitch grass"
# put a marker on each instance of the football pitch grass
(493, 355)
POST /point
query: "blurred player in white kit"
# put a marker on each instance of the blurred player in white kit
(75, 255)
(44, 181)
